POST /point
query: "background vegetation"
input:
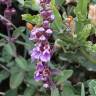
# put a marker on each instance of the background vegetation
(75, 53)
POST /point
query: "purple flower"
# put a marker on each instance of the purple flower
(42, 72)
(51, 18)
(35, 53)
(37, 34)
(40, 66)
(49, 31)
(38, 76)
(38, 54)
(42, 38)
(33, 34)
(46, 24)
(45, 57)
(47, 15)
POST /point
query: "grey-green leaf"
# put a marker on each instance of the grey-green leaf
(29, 91)
(16, 79)
(82, 90)
(21, 62)
(10, 49)
(21, 1)
(92, 87)
(3, 75)
(68, 90)
(55, 92)
(64, 75)
(18, 31)
(11, 93)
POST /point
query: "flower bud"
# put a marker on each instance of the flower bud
(46, 24)
(29, 26)
(13, 11)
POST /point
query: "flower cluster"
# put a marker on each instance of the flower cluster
(43, 51)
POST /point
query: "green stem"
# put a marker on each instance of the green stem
(5, 68)
(21, 43)
(2, 35)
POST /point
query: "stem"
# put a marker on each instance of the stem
(17, 41)
(5, 68)
(21, 43)
(25, 51)
(5, 19)
(2, 35)
(8, 32)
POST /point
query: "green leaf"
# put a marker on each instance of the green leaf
(68, 90)
(11, 93)
(21, 1)
(55, 92)
(83, 35)
(18, 31)
(58, 23)
(92, 87)
(10, 49)
(35, 19)
(81, 9)
(59, 2)
(8, 52)
(16, 79)
(3, 75)
(22, 63)
(2, 42)
(32, 4)
(14, 69)
(82, 90)
(60, 43)
(63, 76)
(29, 91)
(80, 56)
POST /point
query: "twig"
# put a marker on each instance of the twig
(5, 68)
(2, 35)
(5, 19)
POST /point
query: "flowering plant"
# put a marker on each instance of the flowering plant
(47, 47)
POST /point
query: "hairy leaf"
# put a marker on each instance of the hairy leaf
(92, 87)
(16, 79)
(55, 92)
(22, 63)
